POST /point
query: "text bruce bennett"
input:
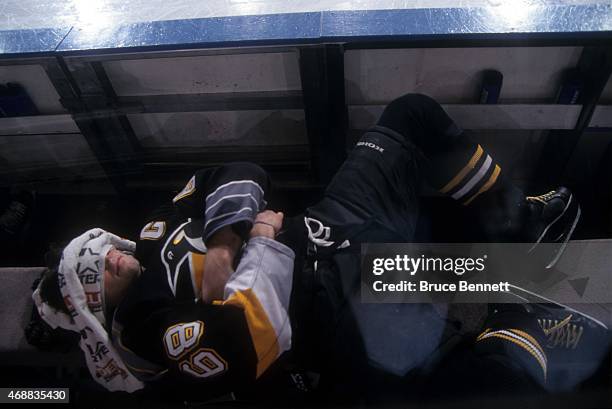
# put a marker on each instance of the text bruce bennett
(425, 286)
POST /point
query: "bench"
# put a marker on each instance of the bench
(15, 310)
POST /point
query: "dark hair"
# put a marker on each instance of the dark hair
(49, 286)
(38, 333)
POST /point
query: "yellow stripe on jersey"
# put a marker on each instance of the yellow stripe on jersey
(178, 238)
(461, 175)
(261, 329)
(486, 186)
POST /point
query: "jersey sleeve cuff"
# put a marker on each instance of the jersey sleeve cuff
(278, 246)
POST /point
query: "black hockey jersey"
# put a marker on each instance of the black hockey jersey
(162, 330)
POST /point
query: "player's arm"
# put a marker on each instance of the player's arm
(261, 287)
(228, 195)
(228, 199)
(222, 245)
(223, 248)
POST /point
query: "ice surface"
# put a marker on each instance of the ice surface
(28, 14)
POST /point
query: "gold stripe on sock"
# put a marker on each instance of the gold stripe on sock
(485, 332)
(529, 338)
(522, 345)
(486, 186)
(459, 177)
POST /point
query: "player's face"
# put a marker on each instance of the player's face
(120, 270)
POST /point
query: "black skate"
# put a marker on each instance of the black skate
(576, 344)
(552, 219)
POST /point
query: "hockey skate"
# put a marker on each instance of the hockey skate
(575, 343)
(552, 219)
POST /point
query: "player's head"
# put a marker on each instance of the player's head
(103, 266)
(93, 274)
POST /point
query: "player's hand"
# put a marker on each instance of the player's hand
(267, 224)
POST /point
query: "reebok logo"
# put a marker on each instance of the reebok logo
(371, 146)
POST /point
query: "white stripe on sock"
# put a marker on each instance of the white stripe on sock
(475, 179)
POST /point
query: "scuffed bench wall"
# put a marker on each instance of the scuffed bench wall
(15, 309)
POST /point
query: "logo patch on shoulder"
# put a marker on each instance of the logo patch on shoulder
(153, 231)
(371, 146)
(187, 190)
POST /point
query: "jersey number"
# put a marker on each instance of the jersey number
(182, 337)
(204, 363)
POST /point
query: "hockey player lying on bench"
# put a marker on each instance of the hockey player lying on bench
(201, 304)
